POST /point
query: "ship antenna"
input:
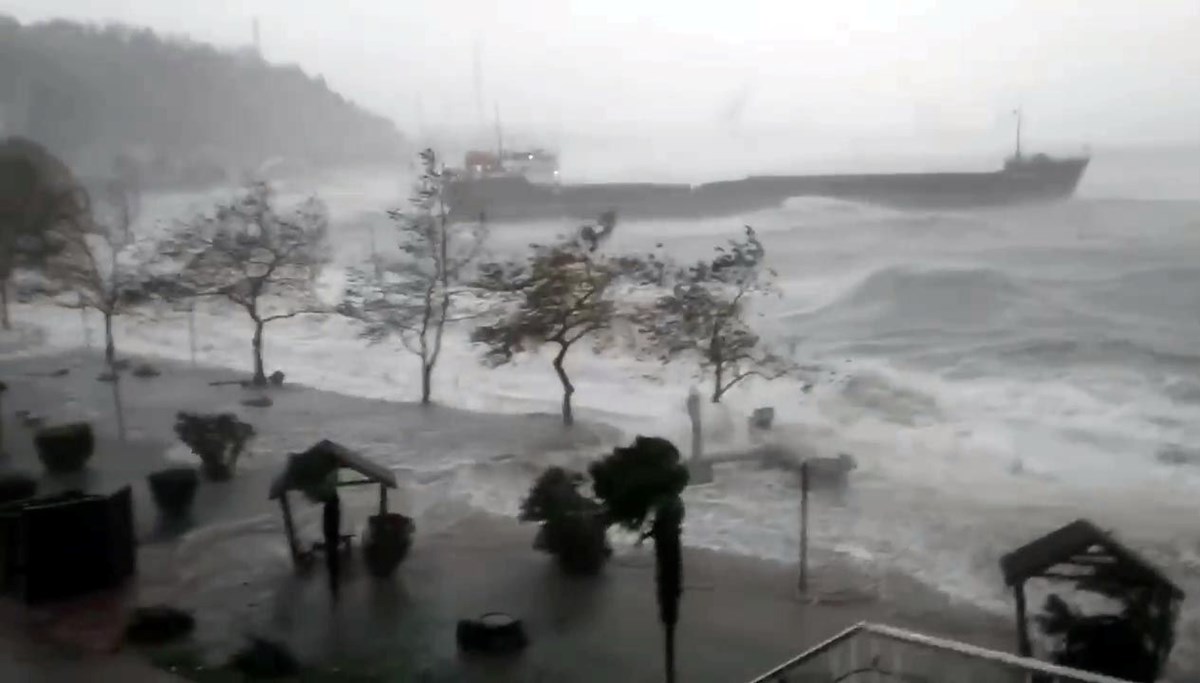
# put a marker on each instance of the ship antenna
(1017, 113)
(499, 133)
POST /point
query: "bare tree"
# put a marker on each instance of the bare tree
(704, 316)
(560, 294)
(263, 261)
(413, 298)
(98, 258)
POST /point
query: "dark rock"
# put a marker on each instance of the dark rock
(121, 365)
(174, 490)
(146, 371)
(106, 376)
(17, 486)
(265, 659)
(389, 537)
(61, 372)
(65, 448)
(276, 378)
(258, 402)
(762, 418)
(158, 624)
(492, 633)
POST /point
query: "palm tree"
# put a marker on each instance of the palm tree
(640, 487)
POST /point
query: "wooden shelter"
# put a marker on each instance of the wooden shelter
(1091, 559)
(319, 465)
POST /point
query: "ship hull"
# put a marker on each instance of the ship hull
(515, 198)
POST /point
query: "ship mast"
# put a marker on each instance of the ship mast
(499, 135)
(1017, 113)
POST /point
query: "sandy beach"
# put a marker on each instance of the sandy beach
(740, 615)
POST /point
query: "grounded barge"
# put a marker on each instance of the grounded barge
(500, 193)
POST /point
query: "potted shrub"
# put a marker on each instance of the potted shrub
(65, 448)
(578, 540)
(389, 536)
(173, 490)
(574, 527)
(218, 439)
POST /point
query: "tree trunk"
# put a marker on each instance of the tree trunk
(666, 529)
(192, 333)
(4, 305)
(669, 650)
(718, 376)
(567, 414)
(110, 349)
(426, 382)
(260, 375)
(118, 405)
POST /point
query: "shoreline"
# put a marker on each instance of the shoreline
(245, 520)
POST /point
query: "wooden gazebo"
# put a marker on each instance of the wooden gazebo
(1084, 555)
(319, 463)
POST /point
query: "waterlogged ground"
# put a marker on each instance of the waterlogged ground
(231, 565)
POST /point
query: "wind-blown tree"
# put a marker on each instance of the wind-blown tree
(37, 194)
(640, 486)
(264, 261)
(705, 316)
(561, 294)
(98, 259)
(413, 298)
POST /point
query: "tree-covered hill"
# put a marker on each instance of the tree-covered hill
(183, 110)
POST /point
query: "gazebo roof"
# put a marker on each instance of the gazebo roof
(1082, 543)
(330, 455)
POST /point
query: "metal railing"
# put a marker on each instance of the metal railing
(874, 653)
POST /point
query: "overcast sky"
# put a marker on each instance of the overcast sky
(1086, 71)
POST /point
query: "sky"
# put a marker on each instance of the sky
(1082, 71)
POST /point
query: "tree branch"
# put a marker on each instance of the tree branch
(292, 314)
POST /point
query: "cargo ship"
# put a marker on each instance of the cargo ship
(504, 188)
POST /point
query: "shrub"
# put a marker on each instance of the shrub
(574, 528)
(217, 439)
